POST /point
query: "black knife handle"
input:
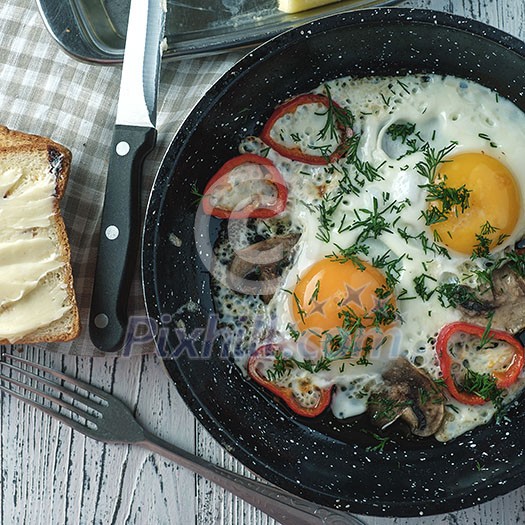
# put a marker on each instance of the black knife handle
(119, 236)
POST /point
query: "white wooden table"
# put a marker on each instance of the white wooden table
(51, 475)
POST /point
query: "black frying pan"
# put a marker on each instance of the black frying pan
(325, 460)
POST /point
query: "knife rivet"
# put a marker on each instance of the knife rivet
(112, 232)
(101, 321)
(122, 148)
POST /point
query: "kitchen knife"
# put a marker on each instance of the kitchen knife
(134, 137)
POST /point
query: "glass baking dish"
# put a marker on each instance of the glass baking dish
(95, 30)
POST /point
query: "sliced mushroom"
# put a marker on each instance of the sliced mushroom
(505, 299)
(410, 395)
(258, 268)
(474, 302)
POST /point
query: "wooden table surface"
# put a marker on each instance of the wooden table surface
(52, 475)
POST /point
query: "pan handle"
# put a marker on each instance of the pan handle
(119, 236)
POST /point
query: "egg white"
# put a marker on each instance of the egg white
(444, 110)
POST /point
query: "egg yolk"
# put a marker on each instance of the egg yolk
(347, 295)
(493, 204)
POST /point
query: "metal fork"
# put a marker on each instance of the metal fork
(103, 417)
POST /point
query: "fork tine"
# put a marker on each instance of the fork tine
(53, 399)
(56, 386)
(53, 413)
(59, 375)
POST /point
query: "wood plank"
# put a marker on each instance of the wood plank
(55, 475)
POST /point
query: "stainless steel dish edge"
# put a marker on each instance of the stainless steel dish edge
(90, 31)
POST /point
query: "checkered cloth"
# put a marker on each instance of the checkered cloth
(44, 91)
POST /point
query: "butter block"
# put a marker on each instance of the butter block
(295, 6)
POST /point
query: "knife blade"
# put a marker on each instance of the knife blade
(134, 137)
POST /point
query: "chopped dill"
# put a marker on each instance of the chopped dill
(337, 118)
(195, 191)
(486, 338)
(425, 242)
(372, 222)
(427, 168)
(386, 101)
(387, 408)
(363, 168)
(351, 253)
(452, 295)
(403, 86)
(382, 441)
(408, 135)
(484, 241)
(424, 395)
(280, 368)
(401, 131)
(484, 136)
(327, 208)
(450, 200)
(391, 267)
(385, 313)
(421, 287)
(351, 321)
(484, 385)
(294, 334)
(403, 295)
(516, 262)
(300, 310)
(315, 293)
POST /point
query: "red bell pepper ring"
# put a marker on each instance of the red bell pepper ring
(246, 186)
(268, 353)
(504, 378)
(296, 153)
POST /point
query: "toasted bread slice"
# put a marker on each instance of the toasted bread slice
(58, 155)
(37, 298)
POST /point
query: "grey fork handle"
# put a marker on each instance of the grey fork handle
(284, 507)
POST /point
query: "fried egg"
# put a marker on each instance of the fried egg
(494, 199)
(434, 185)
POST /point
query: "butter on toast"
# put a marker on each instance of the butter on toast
(37, 298)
